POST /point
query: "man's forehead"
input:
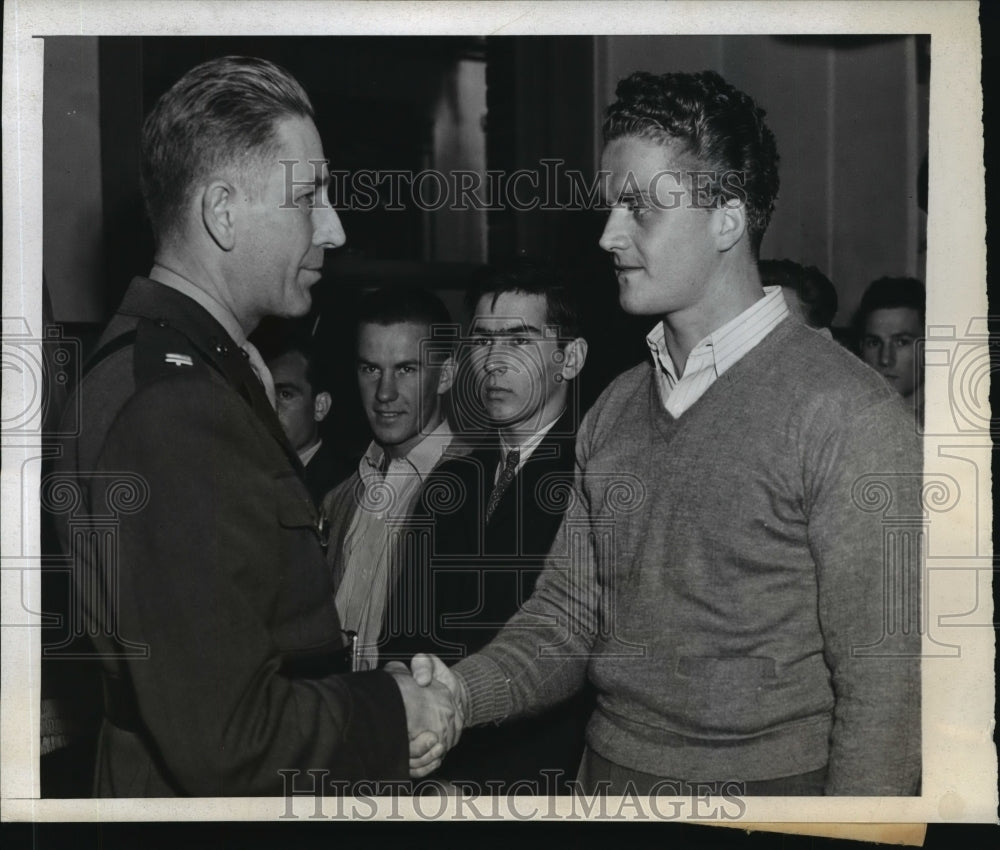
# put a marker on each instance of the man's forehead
(402, 340)
(300, 146)
(289, 368)
(894, 320)
(637, 166)
(513, 308)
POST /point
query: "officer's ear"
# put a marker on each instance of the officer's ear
(217, 213)
(447, 376)
(321, 405)
(574, 356)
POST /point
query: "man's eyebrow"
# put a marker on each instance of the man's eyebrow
(631, 195)
(508, 330)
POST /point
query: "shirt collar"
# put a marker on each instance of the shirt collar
(727, 344)
(216, 309)
(528, 446)
(308, 454)
(421, 459)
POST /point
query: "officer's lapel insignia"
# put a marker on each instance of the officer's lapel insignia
(179, 359)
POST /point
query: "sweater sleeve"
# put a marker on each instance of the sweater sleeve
(863, 482)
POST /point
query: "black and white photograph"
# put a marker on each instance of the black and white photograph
(513, 416)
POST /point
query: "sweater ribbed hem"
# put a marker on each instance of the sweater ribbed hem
(796, 748)
(487, 690)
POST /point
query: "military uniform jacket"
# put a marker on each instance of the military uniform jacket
(202, 577)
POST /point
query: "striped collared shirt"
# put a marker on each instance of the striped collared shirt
(383, 507)
(715, 354)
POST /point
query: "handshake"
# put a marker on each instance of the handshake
(435, 710)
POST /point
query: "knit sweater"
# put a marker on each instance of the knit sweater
(720, 570)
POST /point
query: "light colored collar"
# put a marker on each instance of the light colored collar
(216, 309)
(528, 446)
(421, 459)
(727, 344)
(309, 453)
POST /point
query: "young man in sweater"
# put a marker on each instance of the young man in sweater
(726, 584)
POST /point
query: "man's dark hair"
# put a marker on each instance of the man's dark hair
(276, 337)
(815, 292)
(715, 123)
(222, 114)
(887, 293)
(532, 277)
(392, 305)
(317, 374)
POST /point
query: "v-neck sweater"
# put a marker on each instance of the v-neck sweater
(722, 572)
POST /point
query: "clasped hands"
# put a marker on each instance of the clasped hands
(435, 711)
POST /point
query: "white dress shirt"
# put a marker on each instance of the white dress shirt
(715, 354)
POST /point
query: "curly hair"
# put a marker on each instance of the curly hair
(718, 125)
(220, 114)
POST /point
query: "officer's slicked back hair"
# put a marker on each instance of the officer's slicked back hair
(718, 125)
(220, 116)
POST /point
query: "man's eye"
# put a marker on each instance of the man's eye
(520, 340)
(903, 341)
(480, 341)
(871, 342)
(407, 370)
(637, 206)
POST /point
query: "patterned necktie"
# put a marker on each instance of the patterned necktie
(503, 482)
(260, 370)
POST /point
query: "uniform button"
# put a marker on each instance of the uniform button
(161, 323)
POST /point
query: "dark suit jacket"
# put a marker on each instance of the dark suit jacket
(478, 574)
(325, 470)
(209, 597)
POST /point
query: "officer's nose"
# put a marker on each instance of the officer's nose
(328, 232)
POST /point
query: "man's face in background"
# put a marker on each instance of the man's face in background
(300, 409)
(888, 345)
(400, 391)
(516, 361)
